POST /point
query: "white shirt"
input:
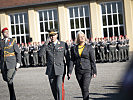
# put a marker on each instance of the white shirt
(55, 42)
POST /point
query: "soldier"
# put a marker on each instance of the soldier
(96, 49)
(127, 47)
(93, 44)
(102, 50)
(54, 53)
(30, 53)
(26, 55)
(35, 54)
(10, 61)
(43, 59)
(112, 50)
(120, 46)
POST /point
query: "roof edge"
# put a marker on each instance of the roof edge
(36, 4)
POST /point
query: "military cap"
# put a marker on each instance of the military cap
(4, 29)
(52, 32)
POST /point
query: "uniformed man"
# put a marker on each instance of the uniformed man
(120, 46)
(10, 60)
(35, 54)
(26, 55)
(54, 53)
(127, 47)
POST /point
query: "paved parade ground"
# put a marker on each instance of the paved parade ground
(32, 83)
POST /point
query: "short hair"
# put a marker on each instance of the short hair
(77, 37)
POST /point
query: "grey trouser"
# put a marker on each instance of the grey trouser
(8, 75)
(35, 58)
(56, 86)
(26, 60)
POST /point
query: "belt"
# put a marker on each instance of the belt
(10, 54)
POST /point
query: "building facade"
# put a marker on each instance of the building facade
(28, 19)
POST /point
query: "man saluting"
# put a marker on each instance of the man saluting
(55, 52)
(10, 60)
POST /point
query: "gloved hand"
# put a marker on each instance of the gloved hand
(17, 66)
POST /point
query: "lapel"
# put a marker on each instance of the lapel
(85, 48)
(76, 50)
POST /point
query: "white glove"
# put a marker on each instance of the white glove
(18, 65)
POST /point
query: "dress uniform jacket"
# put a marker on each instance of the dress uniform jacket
(10, 53)
(85, 62)
(54, 56)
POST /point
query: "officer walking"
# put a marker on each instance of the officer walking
(54, 53)
(10, 60)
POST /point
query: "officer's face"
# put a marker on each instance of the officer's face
(53, 38)
(6, 34)
(81, 38)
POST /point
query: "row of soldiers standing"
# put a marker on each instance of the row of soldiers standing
(112, 49)
(106, 50)
(29, 54)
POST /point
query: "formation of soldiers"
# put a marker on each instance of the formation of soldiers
(29, 54)
(106, 50)
(112, 49)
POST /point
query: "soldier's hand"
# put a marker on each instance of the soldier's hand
(69, 75)
(94, 75)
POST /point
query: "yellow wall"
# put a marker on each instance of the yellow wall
(95, 20)
(128, 21)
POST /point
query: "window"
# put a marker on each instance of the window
(48, 19)
(79, 20)
(112, 19)
(19, 27)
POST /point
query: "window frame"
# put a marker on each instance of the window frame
(112, 13)
(24, 27)
(43, 21)
(84, 16)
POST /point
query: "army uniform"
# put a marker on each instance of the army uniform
(112, 51)
(102, 51)
(127, 49)
(54, 55)
(10, 56)
(120, 51)
(35, 55)
(31, 54)
(26, 56)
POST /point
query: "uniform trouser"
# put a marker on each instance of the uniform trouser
(35, 58)
(112, 55)
(124, 53)
(26, 60)
(63, 89)
(8, 75)
(121, 56)
(43, 60)
(56, 86)
(127, 52)
(84, 82)
(102, 55)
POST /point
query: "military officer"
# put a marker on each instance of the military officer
(10, 60)
(54, 53)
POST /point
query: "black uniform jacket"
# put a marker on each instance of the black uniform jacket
(84, 62)
(54, 56)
